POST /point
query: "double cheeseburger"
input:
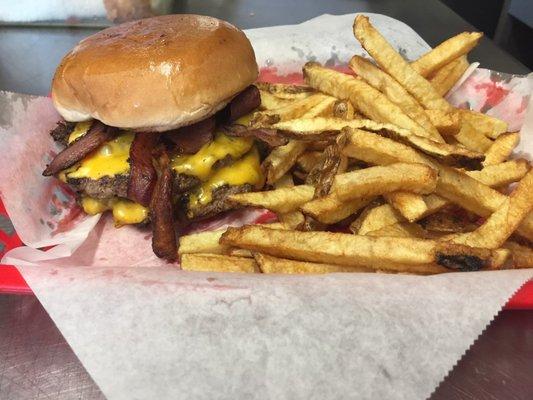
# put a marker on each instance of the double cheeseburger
(146, 108)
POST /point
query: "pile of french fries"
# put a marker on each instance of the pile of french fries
(380, 174)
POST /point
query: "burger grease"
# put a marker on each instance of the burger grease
(169, 85)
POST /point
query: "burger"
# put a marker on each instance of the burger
(146, 108)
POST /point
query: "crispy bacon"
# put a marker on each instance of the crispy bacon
(190, 139)
(161, 212)
(143, 175)
(98, 134)
(269, 136)
(245, 102)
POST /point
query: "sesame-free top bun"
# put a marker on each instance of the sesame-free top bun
(155, 74)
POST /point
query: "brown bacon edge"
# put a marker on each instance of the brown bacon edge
(142, 176)
(97, 135)
(164, 242)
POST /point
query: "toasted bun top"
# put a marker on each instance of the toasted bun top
(154, 74)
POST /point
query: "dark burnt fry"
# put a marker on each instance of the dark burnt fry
(268, 136)
(164, 242)
(190, 139)
(143, 176)
(323, 174)
(244, 103)
(98, 134)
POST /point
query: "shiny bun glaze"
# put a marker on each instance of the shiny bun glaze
(154, 74)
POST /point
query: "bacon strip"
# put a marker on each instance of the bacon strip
(245, 102)
(190, 139)
(143, 175)
(98, 134)
(269, 136)
(164, 242)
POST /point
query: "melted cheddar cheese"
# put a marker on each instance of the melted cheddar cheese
(243, 171)
(201, 163)
(124, 211)
(80, 129)
(109, 160)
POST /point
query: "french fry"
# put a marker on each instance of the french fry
(217, 263)
(446, 52)
(308, 160)
(395, 65)
(490, 126)
(374, 218)
(522, 257)
(445, 78)
(271, 102)
(373, 181)
(330, 209)
(283, 200)
(323, 109)
(452, 184)
(284, 182)
(501, 148)
(292, 220)
(411, 205)
(494, 176)
(275, 265)
(405, 229)
(235, 252)
(503, 222)
(294, 110)
(386, 84)
(202, 242)
(285, 91)
(331, 164)
(281, 159)
(446, 222)
(501, 174)
(364, 97)
(447, 123)
(343, 109)
(471, 138)
(308, 129)
(399, 254)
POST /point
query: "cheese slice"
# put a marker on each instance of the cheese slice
(124, 211)
(201, 163)
(247, 170)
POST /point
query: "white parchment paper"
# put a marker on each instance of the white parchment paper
(158, 332)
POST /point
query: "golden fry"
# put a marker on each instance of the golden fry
(283, 200)
(395, 92)
(452, 184)
(373, 181)
(405, 229)
(343, 109)
(521, 256)
(275, 265)
(292, 220)
(217, 263)
(445, 78)
(364, 97)
(490, 126)
(281, 159)
(411, 205)
(395, 65)
(294, 110)
(447, 123)
(446, 52)
(397, 254)
(501, 174)
(503, 222)
(284, 182)
(202, 242)
(271, 102)
(501, 148)
(330, 209)
(322, 109)
(471, 138)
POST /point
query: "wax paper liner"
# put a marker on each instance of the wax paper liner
(157, 332)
